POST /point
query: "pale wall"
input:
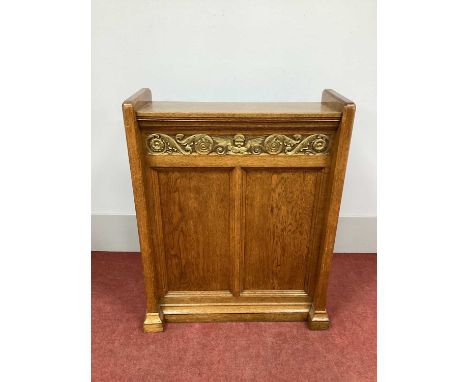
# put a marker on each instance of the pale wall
(231, 51)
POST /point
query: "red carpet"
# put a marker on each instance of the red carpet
(232, 351)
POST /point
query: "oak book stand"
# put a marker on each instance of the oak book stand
(237, 206)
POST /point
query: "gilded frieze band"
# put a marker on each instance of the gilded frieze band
(204, 144)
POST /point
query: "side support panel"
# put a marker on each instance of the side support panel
(318, 317)
(154, 319)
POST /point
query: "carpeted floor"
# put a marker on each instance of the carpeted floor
(232, 351)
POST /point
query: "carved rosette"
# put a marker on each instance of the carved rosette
(204, 144)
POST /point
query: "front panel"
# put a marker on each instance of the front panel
(255, 231)
(195, 209)
(279, 214)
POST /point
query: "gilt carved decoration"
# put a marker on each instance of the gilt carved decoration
(204, 144)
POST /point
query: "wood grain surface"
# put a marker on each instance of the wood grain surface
(278, 217)
(237, 109)
(195, 209)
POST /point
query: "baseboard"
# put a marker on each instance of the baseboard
(118, 233)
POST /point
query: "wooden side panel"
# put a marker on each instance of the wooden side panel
(195, 215)
(279, 206)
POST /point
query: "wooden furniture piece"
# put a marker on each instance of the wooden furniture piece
(237, 206)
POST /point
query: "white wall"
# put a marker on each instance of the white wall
(231, 51)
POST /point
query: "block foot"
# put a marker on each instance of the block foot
(153, 323)
(318, 320)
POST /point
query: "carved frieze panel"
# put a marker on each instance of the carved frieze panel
(238, 144)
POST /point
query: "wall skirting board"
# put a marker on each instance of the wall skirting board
(118, 233)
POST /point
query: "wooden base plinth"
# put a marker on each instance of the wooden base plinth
(224, 307)
(153, 323)
(233, 316)
(318, 320)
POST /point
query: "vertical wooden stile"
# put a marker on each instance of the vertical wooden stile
(237, 228)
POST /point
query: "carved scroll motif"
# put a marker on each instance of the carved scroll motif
(204, 144)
